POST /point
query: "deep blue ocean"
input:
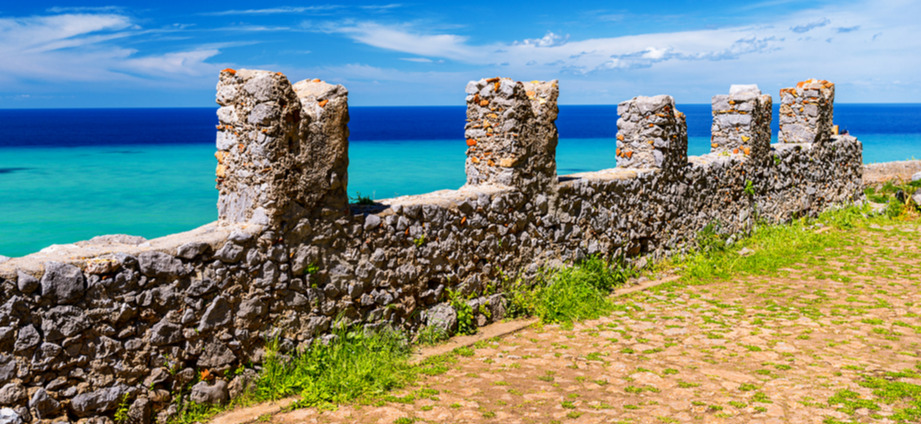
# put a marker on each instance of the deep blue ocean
(68, 175)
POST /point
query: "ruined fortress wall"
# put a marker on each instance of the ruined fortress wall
(82, 326)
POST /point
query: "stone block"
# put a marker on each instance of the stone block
(742, 122)
(651, 133)
(511, 133)
(806, 112)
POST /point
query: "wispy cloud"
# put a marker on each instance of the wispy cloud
(97, 9)
(799, 29)
(402, 39)
(82, 47)
(275, 10)
(417, 59)
(381, 7)
(847, 29)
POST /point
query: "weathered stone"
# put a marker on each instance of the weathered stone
(27, 340)
(511, 135)
(12, 394)
(101, 266)
(44, 406)
(371, 222)
(165, 333)
(99, 401)
(191, 250)
(140, 411)
(9, 416)
(242, 383)
(160, 265)
(229, 253)
(443, 317)
(496, 306)
(7, 368)
(63, 321)
(216, 355)
(651, 133)
(210, 393)
(218, 314)
(807, 112)
(62, 283)
(26, 283)
(199, 288)
(251, 309)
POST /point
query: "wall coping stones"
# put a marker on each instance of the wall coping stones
(80, 253)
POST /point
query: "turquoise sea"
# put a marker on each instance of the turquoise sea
(106, 172)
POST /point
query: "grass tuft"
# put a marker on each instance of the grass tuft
(569, 294)
(355, 364)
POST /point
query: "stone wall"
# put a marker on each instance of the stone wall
(83, 326)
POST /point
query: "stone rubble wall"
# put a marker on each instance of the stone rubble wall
(806, 112)
(742, 122)
(85, 326)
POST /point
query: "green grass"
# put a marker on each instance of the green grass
(569, 294)
(775, 247)
(355, 365)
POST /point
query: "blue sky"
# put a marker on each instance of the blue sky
(169, 53)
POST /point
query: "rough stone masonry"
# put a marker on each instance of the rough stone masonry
(86, 327)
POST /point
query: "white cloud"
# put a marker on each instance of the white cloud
(178, 63)
(799, 29)
(548, 40)
(417, 59)
(80, 47)
(401, 39)
(869, 42)
(274, 10)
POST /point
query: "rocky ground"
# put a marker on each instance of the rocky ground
(835, 338)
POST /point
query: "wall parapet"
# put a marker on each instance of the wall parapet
(84, 326)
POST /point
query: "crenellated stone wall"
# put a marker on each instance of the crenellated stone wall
(85, 326)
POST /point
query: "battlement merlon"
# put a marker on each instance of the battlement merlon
(511, 133)
(742, 122)
(651, 133)
(806, 112)
(282, 150)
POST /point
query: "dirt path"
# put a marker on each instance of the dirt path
(753, 350)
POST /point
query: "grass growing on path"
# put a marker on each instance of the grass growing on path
(355, 364)
(777, 247)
